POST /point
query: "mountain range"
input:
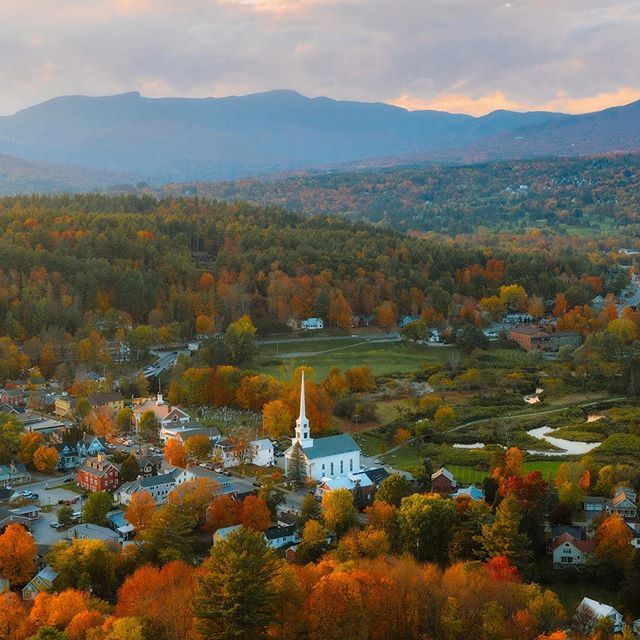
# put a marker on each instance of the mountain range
(75, 143)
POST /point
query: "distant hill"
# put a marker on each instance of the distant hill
(18, 176)
(586, 194)
(211, 139)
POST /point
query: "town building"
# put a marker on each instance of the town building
(13, 473)
(323, 457)
(5, 585)
(475, 493)
(351, 482)
(36, 423)
(99, 474)
(531, 337)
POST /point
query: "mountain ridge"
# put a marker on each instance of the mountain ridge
(161, 140)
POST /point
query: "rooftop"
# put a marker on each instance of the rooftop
(331, 446)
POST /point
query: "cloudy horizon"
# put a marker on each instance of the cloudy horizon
(465, 56)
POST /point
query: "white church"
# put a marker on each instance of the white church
(328, 457)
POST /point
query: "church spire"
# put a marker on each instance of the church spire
(303, 414)
(303, 431)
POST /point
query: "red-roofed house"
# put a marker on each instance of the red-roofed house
(569, 552)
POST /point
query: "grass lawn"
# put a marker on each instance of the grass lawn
(70, 486)
(570, 594)
(384, 358)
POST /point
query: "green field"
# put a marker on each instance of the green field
(384, 358)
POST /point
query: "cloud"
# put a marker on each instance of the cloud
(471, 56)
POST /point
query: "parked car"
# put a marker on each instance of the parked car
(56, 525)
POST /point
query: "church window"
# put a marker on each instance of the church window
(350, 464)
(332, 468)
(341, 466)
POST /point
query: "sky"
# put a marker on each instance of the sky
(466, 56)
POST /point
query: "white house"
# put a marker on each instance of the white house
(88, 531)
(599, 610)
(312, 324)
(323, 457)
(567, 551)
(259, 452)
(158, 487)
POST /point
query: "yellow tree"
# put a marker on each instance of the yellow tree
(17, 555)
(174, 453)
(46, 459)
(140, 510)
(276, 419)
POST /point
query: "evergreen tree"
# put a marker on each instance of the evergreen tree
(233, 598)
(169, 535)
(130, 469)
(504, 538)
(297, 466)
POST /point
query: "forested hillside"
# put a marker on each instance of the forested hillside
(67, 261)
(585, 193)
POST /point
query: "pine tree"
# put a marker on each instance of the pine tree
(297, 465)
(504, 538)
(169, 535)
(233, 598)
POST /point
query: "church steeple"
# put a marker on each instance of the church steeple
(303, 431)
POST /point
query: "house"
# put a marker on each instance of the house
(598, 611)
(69, 458)
(517, 318)
(312, 324)
(259, 452)
(64, 406)
(181, 431)
(443, 482)
(279, 536)
(635, 535)
(150, 465)
(473, 492)
(327, 457)
(91, 445)
(4, 584)
(92, 532)
(7, 517)
(13, 473)
(42, 581)
(593, 505)
(223, 533)
(30, 511)
(159, 487)
(118, 523)
(624, 503)
(112, 401)
(352, 482)
(99, 474)
(568, 551)
(236, 488)
(165, 413)
(13, 397)
(405, 320)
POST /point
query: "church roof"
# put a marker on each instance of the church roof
(331, 446)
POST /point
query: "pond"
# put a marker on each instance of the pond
(475, 445)
(568, 447)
